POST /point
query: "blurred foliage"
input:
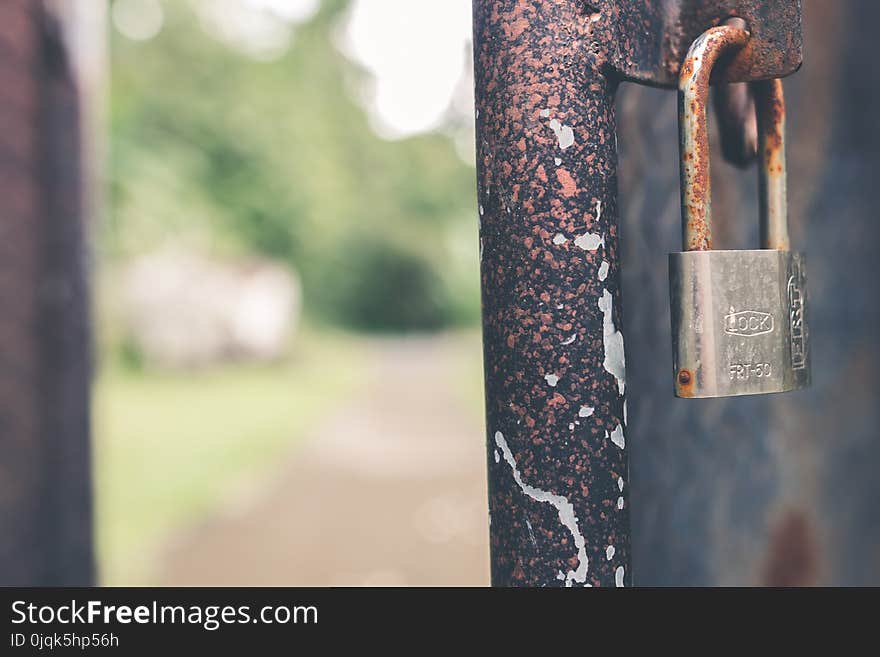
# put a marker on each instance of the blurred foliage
(236, 155)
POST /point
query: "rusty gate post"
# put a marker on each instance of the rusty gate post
(45, 461)
(552, 328)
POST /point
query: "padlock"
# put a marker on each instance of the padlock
(739, 318)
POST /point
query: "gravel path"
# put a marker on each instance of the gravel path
(390, 490)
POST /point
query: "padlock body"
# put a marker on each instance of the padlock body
(739, 322)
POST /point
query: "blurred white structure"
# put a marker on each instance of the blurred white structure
(184, 310)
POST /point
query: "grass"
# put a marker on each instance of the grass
(169, 447)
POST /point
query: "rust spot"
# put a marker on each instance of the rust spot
(515, 28)
(792, 556)
(541, 173)
(685, 381)
(569, 186)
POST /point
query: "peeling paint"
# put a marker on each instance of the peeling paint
(531, 532)
(559, 238)
(618, 577)
(603, 270)
(590, 241)
(551, 380)
(586, 411)
(564, 508)
(617, 436)
(615, 360)
(564, 134)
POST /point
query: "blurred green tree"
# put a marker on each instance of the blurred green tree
(235, 155)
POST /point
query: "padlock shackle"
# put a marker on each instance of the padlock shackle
(693, 96)
(696, 189)
(770, 112)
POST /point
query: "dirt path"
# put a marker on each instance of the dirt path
(390, 490)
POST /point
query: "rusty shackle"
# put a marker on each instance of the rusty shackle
(693, 92)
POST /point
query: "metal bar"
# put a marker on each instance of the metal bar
(770, 112)
(693, 92)
(550, 261)
(45, 499)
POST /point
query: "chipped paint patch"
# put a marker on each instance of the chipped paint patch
(603, 270)
(586, 411)
(551, 380)
(564, 134)
(559, 238)
(618, 577)
(497, 457)
(557, 161)
(620, 502)
(564, 508)
(609, 553)
(570, 338)
(617, 436)
(531, 532)
(545, 113)
(615, 360)
(590, 241)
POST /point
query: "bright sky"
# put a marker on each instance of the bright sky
(414, 50)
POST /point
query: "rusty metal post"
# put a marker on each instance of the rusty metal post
(45, 486)
(553, 341)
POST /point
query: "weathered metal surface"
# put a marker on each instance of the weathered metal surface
(45, 489)
(654, 35)
(781, 489)
(693, 99)
(772, 176)
(553, 347)
(739, 322)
